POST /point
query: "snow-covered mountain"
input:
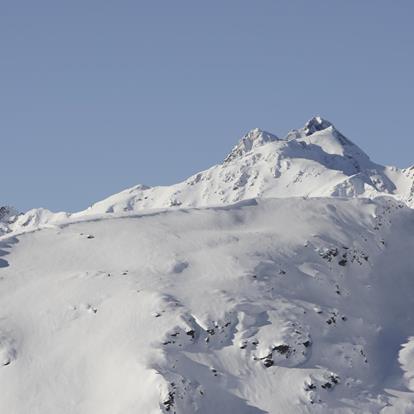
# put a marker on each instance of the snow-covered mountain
(314, 161)
(280, 281)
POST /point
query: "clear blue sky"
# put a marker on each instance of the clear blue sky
(96, 96)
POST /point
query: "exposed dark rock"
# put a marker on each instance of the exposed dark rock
(268, 363)
(169, 402)
(282, 349)
(191, 333)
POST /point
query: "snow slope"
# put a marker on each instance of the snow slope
(279, 281)
(263, 306)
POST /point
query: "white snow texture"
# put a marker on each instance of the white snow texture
(280, 281)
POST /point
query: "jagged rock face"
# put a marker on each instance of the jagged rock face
(6, 212)
(8, 215)
(316, 124)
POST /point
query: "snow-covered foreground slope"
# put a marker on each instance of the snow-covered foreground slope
(314, 161)
(265, 306)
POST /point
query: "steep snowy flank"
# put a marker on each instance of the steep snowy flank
(281, 306)
(314, 161)
(255, 138)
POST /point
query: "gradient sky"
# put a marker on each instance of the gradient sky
(97, 95)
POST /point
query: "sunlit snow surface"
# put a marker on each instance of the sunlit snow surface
(280, 281)
(265, 306)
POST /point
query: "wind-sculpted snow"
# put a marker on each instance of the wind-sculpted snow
(264, 306)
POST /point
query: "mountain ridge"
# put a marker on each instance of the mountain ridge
(314, 161)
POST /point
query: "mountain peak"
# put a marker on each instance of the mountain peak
(6, 212)
(254, 138)
(8, 215)
(315, 124)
